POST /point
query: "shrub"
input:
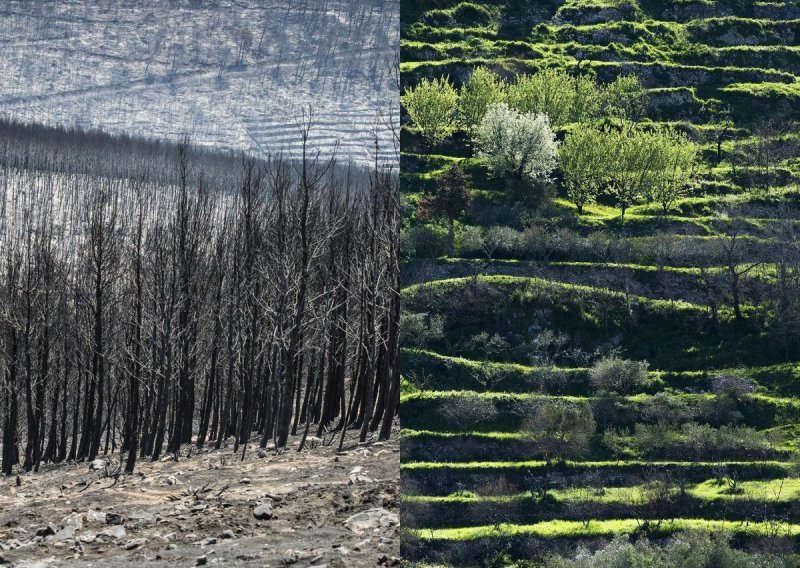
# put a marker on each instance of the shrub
(666, 408)
(558, 429)
(734, 386)
(468, 412)
(620, 376)
(686, 550)
(423, 242)
(469, 241)
(699, 441)
(489, 346)
(418, 330)
(499, 240)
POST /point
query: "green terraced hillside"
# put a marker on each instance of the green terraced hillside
(621, 373)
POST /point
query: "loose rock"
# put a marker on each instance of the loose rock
(291, 556)
(372, 519)
(263, 512)
(134, 543)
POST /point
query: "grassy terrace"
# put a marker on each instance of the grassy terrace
(441, 479)
(664, 332)
(577, 529)
(501, 341)
(459, 373)
(773, 490)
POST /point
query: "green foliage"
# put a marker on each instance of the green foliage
(686, 550)
(420, 329)
(431, 106)
(632, 165)
(625, 98)
(559, 429)
(674, 164)
(692, 440)
(561, 97)
(576, 529)
(583, 161)
(668, 112)
(616, 375)
(483, 89)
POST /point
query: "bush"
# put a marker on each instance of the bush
(560, 430)
(501, 241)
(620, 376)
(468, 412)
(417, 330)
(423, 242)
(700, 441)
(686, 550)
(469, 241)
(734, 386)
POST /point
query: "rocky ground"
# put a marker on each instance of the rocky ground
(317, 508)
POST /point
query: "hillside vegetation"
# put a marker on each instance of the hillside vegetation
(601, 301)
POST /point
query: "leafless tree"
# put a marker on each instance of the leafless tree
(184, 297)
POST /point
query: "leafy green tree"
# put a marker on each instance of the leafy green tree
(483, 89)
(586, 101)
(550, 92)
(583, 161)
(449, 201)
(625, 98)
(631, 165)
(674, 161)
(431, 106)
(519, 145)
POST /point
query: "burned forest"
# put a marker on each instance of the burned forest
(156, 298)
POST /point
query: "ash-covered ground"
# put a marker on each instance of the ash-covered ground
(318, 507)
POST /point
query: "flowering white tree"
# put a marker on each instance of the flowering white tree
(516, 144)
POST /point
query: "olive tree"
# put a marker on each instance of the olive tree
(559, 429)
(621, 376)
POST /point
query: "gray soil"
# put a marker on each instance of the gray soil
(318, 507)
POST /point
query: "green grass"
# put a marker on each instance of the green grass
(782, 466)
(774, 490)
(576, 529)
